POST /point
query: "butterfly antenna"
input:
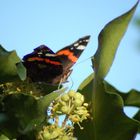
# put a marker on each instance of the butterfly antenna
(91, 57)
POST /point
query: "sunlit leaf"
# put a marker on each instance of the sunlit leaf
(2, 137)
(108, 115)
(108, 42)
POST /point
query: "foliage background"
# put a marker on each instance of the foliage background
(27, 24)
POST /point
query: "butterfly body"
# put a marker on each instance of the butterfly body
(43, 65)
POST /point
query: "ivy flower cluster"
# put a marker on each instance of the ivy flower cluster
(72, 107)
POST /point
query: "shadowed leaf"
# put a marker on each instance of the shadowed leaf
(131, 98)
(21, 70)
(8, 69)
(137, 117)
(86, 87)
(25, 113)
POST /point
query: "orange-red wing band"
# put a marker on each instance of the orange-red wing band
(45, 60)
(68, 54)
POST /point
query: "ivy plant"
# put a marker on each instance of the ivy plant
(33, 111)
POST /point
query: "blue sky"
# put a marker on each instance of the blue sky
(27, 24)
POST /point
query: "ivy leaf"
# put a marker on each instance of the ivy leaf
(44, 102)
(21, 71)
(8, 69)
(108, 42)
(131, 98)
(108, 115)
(137, 117)
(86, 88)
(2, 137)
(25, 113)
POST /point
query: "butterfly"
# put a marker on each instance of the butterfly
(43, 65)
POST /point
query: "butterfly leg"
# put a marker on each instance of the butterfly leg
(64, 78)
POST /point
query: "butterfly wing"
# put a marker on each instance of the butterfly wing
(42, 65)
(70, 54)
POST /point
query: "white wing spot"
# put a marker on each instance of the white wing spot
(76, 44)
(39, 53)
(87, 40)
(48, 54)
(81, 47)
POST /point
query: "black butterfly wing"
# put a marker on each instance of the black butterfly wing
(70, 54)
(42, 65)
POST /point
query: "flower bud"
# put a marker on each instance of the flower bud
(46, 135)
(77, 102)
(65, 97)
(55, 133)
(79, 96)
(63, 103)
(65, 109)
(85, 104)
(74, 118)
(71, 93)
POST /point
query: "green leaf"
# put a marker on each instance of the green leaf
(21, 70)
(8, 70)
(109, 39)
(20, 109)
(109, 120)
(44, 102)
(131, 98)
(137, 117)
(25, 113)
(86, 88)
(87, 132)
(111, 116)
(2, 137)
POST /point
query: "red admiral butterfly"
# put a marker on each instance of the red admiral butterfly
(43, 65)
